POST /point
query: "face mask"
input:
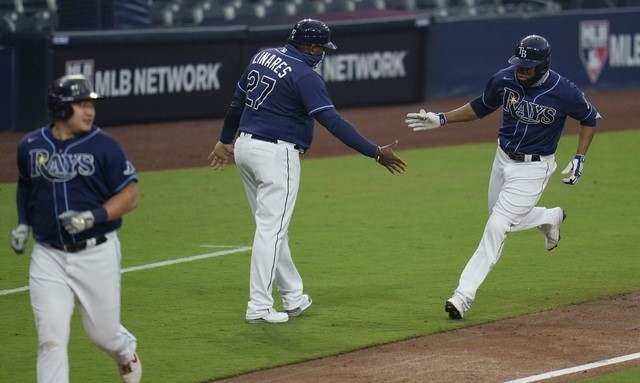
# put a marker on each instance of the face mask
(313, 60)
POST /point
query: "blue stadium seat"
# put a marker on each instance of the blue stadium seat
(169, 12)
(209, 12)
(248, 12)
(27, 15)
(371, 4)
(279, 8)
(309, 8)
(13, 21)
(405, 5)
(340, 5)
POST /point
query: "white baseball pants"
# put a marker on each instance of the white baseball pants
(271, 176)
(514, 190)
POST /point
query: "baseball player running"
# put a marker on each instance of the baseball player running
(74, 185)
(274, 107)
(535, 103)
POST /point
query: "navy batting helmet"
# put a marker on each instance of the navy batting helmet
(66, 90)
(532, 51)
(312, 32)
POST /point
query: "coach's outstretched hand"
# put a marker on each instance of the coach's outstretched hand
(387, 158)
(220, 155)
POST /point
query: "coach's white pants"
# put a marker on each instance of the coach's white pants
(271, 177)
(514, 190)
(57, 280)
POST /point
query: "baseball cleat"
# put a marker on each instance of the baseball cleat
(552, 236)
(454, 313)
(132, 371)
(272, 316)
(306, 303)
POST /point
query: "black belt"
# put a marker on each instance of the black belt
(272, 140)
(78, 246)
(520, 157)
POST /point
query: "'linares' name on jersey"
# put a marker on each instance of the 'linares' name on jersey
(525, 111)
(60, 167)
(273, 62)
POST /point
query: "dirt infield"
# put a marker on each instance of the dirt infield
(511, 349)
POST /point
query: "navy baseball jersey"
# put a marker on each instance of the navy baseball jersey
(287, 91)
(78, 174)
(533, 117)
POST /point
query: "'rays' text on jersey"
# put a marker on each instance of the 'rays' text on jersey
(526, 111)
(60, 167)
(273, 62)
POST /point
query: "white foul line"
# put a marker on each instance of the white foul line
(187, 259)
(157, 264)
(571, 370)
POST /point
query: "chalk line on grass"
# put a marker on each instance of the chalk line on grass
(233, 249)
(571, 370)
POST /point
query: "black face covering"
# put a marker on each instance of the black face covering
(313, 60)
(533, 81)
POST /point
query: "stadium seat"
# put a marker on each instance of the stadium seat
(340, 5)
(28, 15)
(280, 8)
(371, 4)
(209, 12)
(183, 12)
(310, 8)
(45, 20)
(405, 5)
(13, 21)
(248, 12)
(172, 12)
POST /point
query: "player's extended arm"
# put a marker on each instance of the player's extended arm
(115, 207)
(573, 171)
(424, 120)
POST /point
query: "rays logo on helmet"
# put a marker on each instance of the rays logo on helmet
(522, 52)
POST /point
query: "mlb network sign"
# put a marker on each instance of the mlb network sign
(597, 45)
(149, 80)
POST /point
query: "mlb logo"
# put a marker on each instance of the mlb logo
(83, 67)
(594, 47)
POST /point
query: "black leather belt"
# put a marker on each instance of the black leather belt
(272, 140)
(522, 157)
(78, 246)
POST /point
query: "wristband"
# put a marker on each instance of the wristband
(99, 215)
(443, 118)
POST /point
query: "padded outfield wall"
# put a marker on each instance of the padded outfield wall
(599, 49)
(190, 73)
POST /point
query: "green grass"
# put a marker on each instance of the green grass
(632, 375)
(378, 253)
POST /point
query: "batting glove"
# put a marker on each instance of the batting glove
(573, 170)
(76, 222)
(19, 238)
(425, 120)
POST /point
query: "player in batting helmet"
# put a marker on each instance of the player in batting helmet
(67, 90)
(532, 51)
(312, 32)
